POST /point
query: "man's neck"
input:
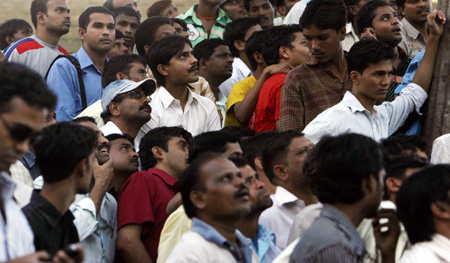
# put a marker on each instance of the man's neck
(207, 10)
(166, 169)
(213, 82)
(47, 37)
(338, 65)
(178, 91)
(99, 59)
(226, 229)
(422, 27)
(259, 70)
(130, 128)
(118, 180)
(244, 58)
(306, 196)
(249, 225)
(352, 212)
(368, 104)
(60, 194)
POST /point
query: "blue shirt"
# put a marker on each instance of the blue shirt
(407, 78)
(264, 245)
(212, 235)
(29, 161)
(63, 81)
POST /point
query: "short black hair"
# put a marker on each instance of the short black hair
(159, 137)
(162, 51)
(126, 10)
(205, 48)
(145, 34)
(324, 14)
(400, 3)
(255, 43)
(400, 144)
(253, 147)
(119, 34)
(236, 30)
(120, 63)
(368, 52)
(396, 167)
(116, 136)
(85, 119)
(19, 81)
(366, 14)
(277, 151)
(239, 161)
(415, 197)
(9, 28)
(108, 4)
(182, 23)
(336, 167)
(61, 147)
(238, 131)
(85, 17)
(277, 37)
(37, 6)
(193, 180)
(213, 141)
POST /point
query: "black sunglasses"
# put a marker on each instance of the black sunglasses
(19, 132)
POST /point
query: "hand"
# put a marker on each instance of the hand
(387, 239)
(368, 33)
(40, 256)
(103, 173)
(436, 21)
(62, 257)
(278, 68)
(2, 57)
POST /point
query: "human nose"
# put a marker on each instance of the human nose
(22, 147)
(260, 184)
(315, 45)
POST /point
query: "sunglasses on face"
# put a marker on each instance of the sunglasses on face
(134, 94)
(18, 132)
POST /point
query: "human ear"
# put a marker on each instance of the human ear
(441, 210)
(162, 70)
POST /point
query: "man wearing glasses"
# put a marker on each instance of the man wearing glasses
(126, 108)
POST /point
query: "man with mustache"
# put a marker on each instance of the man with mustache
(415, 30)
(51, 18)
(97, 33)
(216, 198)
(261, 10)
(126, 108)
(174, 67)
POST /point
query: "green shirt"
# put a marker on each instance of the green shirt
(197, 31)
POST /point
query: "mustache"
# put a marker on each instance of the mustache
(145, 107)
(193, 68)
(242, 190)
(422, 9)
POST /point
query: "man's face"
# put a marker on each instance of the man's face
(234, 9)
(137, 72)
(297, 152)
(259, 197)
(387, 26)
(58, 17)
(299, 51)
(324, 44)
(124, 156)
(119, 48)
(372, 85)
(263, 11)
(164, 31)
(177, 155)
(226, 195)
(17, 126)
(100, 33)
(130, 3)
(128, 26)
(86, 181)
(393, 4)
(182, 68)
(134, 107)
(171, 11)
(102, 152)
(180, 30)
(22, 33)
(416, 11)
(233, 150)
(220, 64)
(288, 4)
(375, 197)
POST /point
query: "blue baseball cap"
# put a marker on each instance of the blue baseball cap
(123, 86)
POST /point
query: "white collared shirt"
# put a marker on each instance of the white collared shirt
(350, 37)
(98, 234)
(16, 236)
(350, 116)
(199, 115)
(435, 251)
(111, 128)
(293, 17)
(279, 217)
(240, 72)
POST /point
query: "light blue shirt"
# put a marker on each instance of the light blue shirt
(63, 81)
(350, 116)
(212, 235)
(264, 245)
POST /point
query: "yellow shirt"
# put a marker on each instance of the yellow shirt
(237, 94)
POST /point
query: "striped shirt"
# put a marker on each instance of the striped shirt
(331, 238)
(197, 33)
(308, 90)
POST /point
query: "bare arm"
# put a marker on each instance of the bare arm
(243, 110)
(436, 21)
(130, 245)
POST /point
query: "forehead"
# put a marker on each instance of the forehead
(384, 65)
(300, 142)
(136, 64)
(214, 169)
(25, 114)
(90, 125)
(186, 48)
(251, 30)
(119, 142)
(247, 171)
(231, 2)
(175, 140)
(164, 29)
(221, 49)
(382, 10)
(117, 3)
(128, 18)
(51, 4)
(312, 30)
(101, 18)
(255, 3)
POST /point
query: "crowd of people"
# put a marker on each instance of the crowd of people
(237, 131)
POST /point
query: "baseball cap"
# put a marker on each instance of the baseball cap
(124, 85)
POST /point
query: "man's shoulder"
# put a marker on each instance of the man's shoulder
(23, 45)
(205, 102)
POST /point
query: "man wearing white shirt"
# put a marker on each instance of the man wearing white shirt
(173, 104)
(370, 69)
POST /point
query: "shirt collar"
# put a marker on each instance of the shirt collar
(353, 103)
(238, 63)
(110, 128)
(7, 186)
(410, 30)
(284, 196)
(345, 225)
(85, 61)
(167, 178)
(167, 98)
(30, 159)
(48, 210)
